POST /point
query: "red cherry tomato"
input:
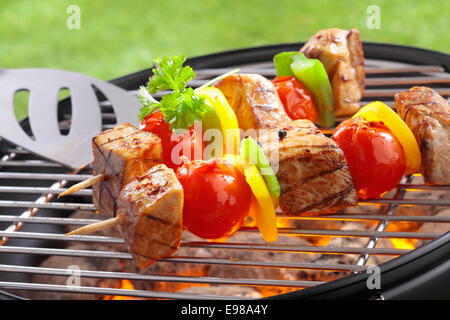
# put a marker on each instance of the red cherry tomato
(375, 156)
(216, 198)
(155, 123)
(297, 100)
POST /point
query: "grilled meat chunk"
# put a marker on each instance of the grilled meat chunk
(340, 51)
(255, 101)
(151, 206)
(311, 169)
(121, 154)
(427, 114)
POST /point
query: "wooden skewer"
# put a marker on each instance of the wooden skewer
(106, 224)
(83, 185)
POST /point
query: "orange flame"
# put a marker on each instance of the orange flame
(402, 226)
(408, 244)
(124, 284)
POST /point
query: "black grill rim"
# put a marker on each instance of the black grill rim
(398, 278)
(399, 270)
(372, 50)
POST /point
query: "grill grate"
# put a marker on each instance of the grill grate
(28, 186)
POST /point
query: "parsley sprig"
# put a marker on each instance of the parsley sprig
(180, 107)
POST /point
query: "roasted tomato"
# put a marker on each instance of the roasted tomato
(375, 156)
(155, 123)
(297, 100)
(216, 198)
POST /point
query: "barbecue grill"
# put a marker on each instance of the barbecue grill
(32, 219)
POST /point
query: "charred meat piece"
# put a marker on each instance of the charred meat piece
(151, 207)
(255, 101)
(121, 154)
(427, 114)
(340, 51)
(311, 169)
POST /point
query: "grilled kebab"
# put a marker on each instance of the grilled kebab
(427, 114)
(311, 169)
(255, 101)
(120, 155)
(340, 52)
(149, 215)
(151, 208)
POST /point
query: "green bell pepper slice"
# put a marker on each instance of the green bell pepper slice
(312, 74)
(253, 153)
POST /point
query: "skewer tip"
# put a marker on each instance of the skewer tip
(101, 225)
(82, 185)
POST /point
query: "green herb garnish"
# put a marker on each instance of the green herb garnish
(180, 107)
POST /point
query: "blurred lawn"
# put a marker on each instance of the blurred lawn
(120, 37)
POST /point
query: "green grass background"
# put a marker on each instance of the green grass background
(119, 37)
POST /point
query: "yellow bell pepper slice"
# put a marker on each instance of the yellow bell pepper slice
(264, 215)
(378, 111)
(262, 209)
(228, 120)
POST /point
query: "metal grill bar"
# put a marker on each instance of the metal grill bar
(337, 217)
(48, 220)
(407, 81)
(44, 176)
(12, 189)
(350, 233)
(407, 202)
(269, 71)
(88, 192)
(229, 245)
(31, 163)
(368, 93)
(295, 248)
(368, 217)
(409, 187)
(283, 231)
(91, 207)
(47, 205)
(180, 279)
(113, 292)
(214, 261)
(376, 81)
(400, 193)
(412, 187)
(376, 93)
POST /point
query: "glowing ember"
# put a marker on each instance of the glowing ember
(403, 226)
(124, 284)
(404, 243)
(269, 292)
(292, 223)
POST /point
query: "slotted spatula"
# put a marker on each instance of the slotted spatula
(74, 149)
